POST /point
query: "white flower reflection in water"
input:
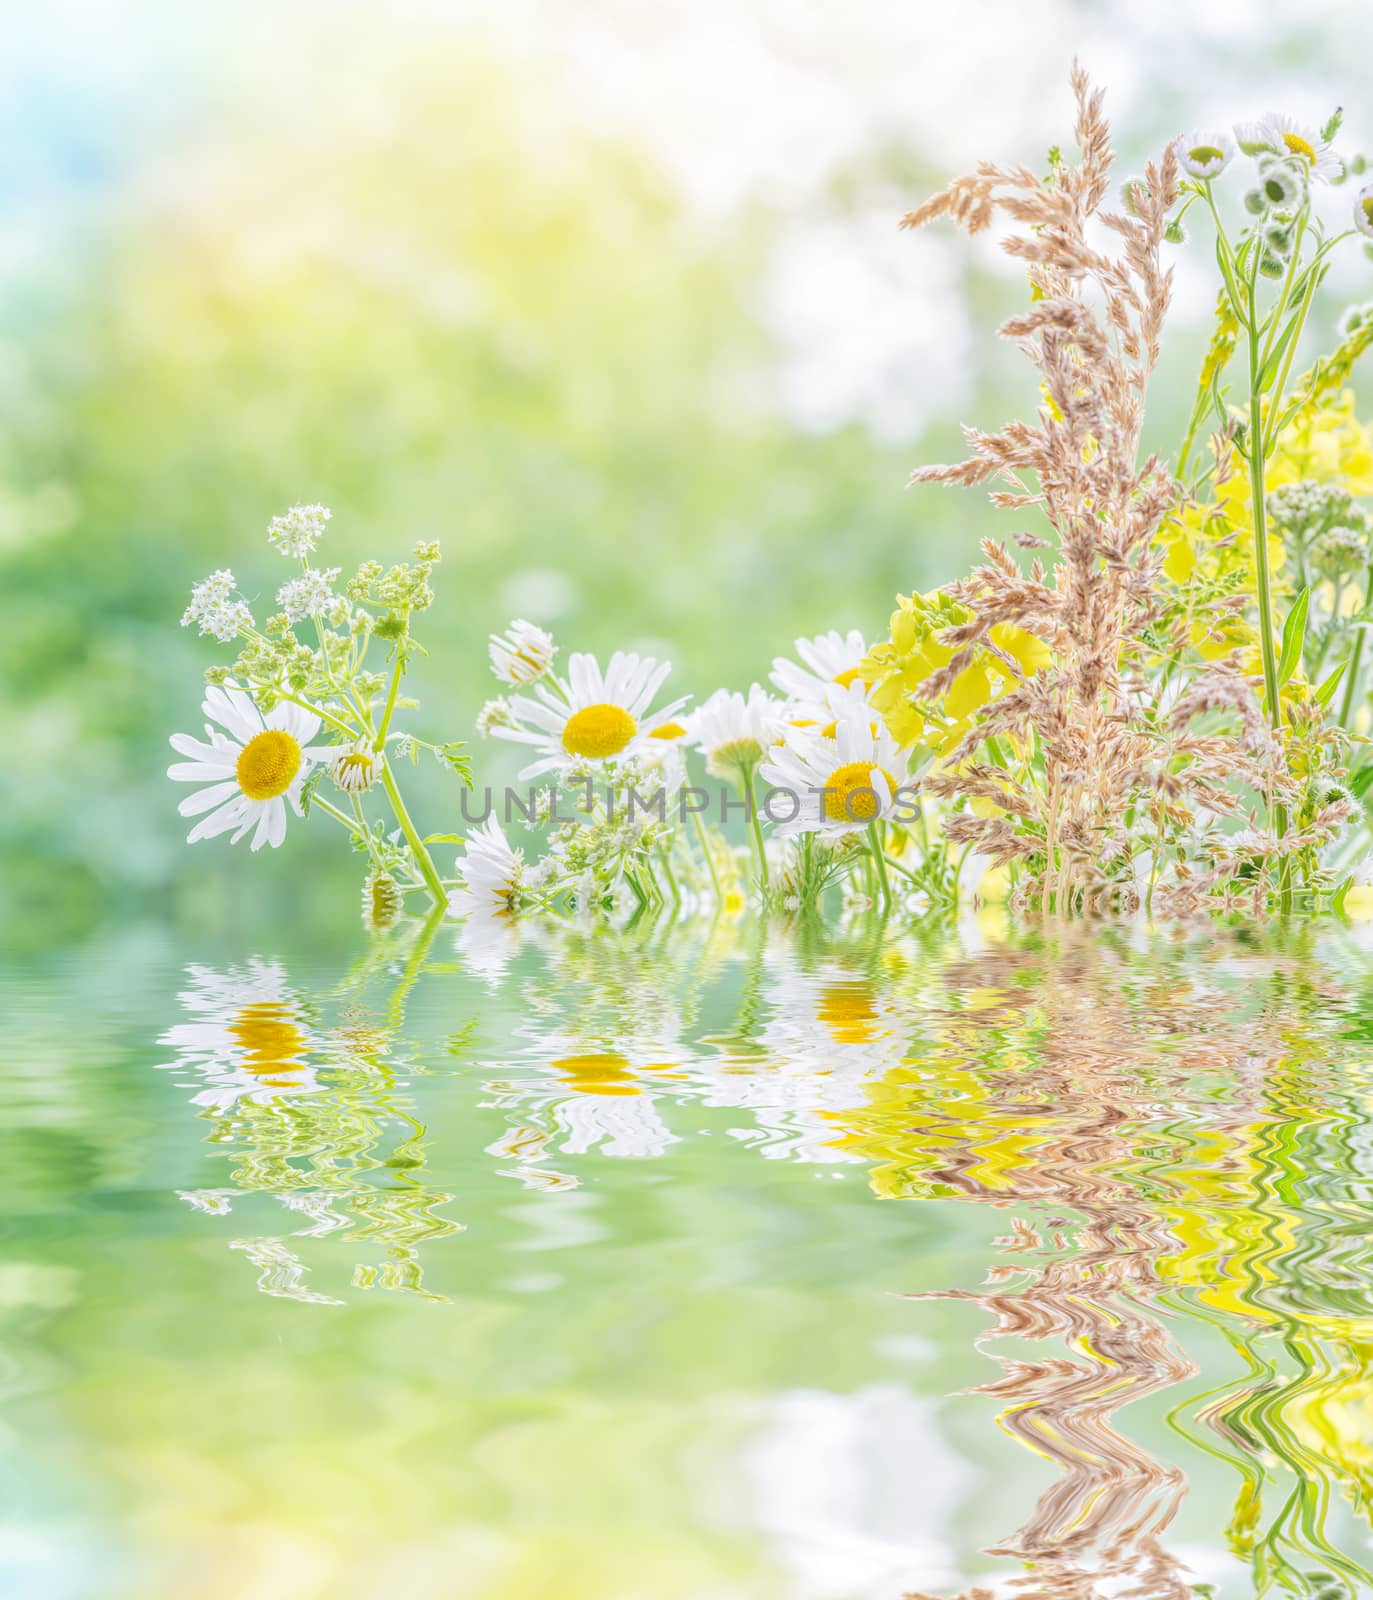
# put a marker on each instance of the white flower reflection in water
(247, 1040)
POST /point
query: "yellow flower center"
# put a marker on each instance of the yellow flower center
(850, 796)
(270, 1039)
(1204, 153)
(1366, 206)
(1298, 146)
(606, 1075)
(598, 731)
(526, 664)
(267, 764)
(831, 729)
(845, 678)
(848, 1011)
(667, 730)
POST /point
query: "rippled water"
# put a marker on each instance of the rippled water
(691, 1262)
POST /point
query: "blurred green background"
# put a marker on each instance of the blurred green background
(608, 298)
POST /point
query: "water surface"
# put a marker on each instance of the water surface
(712, 1262)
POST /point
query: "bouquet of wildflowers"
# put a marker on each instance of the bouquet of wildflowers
(1153, 693)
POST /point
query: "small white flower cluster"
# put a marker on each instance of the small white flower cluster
(312, 595)
(299, 530)
(213, 606)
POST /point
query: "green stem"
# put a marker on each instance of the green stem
(1262, 576)
(427, 869)
(1351, 685)
(710, 858)
(756, 829)
(397, 667)
(879, 858)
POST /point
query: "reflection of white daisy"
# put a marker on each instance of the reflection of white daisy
(831, 658)
(838, 784)
(597, 715)
(247, 1042)
(522, 654)
(252, 773)
(733, 731)
(1363, 211)
(594, 1096)
(829, 1033)
(492, 874)
(1205, 152)
(1286, 136)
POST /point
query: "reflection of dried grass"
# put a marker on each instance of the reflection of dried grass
(1121, 771)
(1102, 1085)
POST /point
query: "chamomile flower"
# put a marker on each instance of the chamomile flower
(831, 658)
(299, 530)
(492, 874)
(252, 773)
(840, 783)
(1205, 152)
(522, 654)
(354, 768)
(1363, 211)
(494, 714)
(1281, 183)
(214, 608)
(594, 716)
(734, 731)
(1286, 136)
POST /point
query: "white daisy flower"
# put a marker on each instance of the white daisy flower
(354, 768)
(494, 714)
(522, 654)
(492, 874)
(1286, 136)
(831, 658)
(1205, 152)
(734, 731)
(838, 704)
(596, 716)
(1363, 211)
(1281, 183)
(299, 530)
(252, 773)
(841, 783)
(246, 1040)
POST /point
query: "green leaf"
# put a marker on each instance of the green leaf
(1326, 692)
(443, 838)
(1337, 899)
(307, 789)
(1273, 366)
(1361, 780)
(1293, 637)
(1231, 287)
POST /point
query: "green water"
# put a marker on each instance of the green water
(689, 1262)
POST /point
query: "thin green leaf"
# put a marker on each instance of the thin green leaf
(1273, 366)
(443, 838)
(1326, 692)
(1293, 637)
